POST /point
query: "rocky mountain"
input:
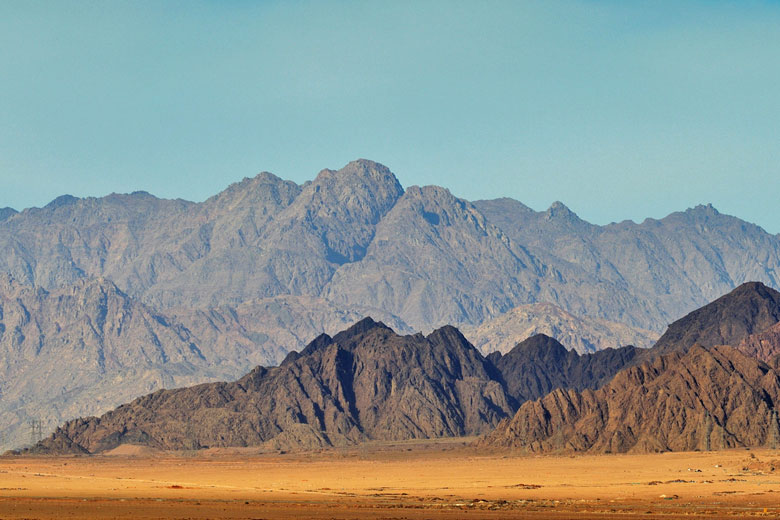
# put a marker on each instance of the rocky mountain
(422, 256)
(581, 334)
(699, 399)
(674, 264)
(364, 383)
(540, 364)
(749, 309)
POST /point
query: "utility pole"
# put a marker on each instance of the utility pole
(707, 431)
(36, 431)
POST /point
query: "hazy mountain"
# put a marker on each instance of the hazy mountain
(700, 399)
(673, 265)
(355, 238)
(581, 334)
(264, 266)
(364, 383)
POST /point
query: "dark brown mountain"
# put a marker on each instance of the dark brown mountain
(749, 309)
(699, 399)
(364, 383)
(540, 364)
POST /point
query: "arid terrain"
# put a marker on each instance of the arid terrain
(432, 479)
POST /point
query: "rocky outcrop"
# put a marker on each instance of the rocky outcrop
(700, 399)
(364, 383)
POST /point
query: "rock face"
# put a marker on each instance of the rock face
(764, 345)
(749, 309)
(581, 334)
(364, 383)
(700, 399)
(540, 364)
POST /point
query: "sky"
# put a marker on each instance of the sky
(621, 110)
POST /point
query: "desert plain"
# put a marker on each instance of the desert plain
(401, 480)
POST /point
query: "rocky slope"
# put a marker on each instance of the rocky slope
(749, 309)
(541, 364)
(764, 345)
(699, 399)
(364, 383)
(581, 334)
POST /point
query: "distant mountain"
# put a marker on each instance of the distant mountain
(696, 400)
(364, 383)
(581, 334)
(672, 265)
(356, 238)
(749, 309)
(540, 364)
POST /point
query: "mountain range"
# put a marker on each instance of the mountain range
(368, 382)
(356, 238)
(262, 268)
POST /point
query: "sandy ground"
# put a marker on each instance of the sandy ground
(441, 479)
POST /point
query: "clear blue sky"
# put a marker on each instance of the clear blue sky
(621, 110)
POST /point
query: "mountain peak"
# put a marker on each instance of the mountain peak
(6, 213)
(703, 209)
(559, 211)
(62, 200)
(362, 171)
(748, 309)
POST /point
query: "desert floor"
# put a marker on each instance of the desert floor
(438, 479)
